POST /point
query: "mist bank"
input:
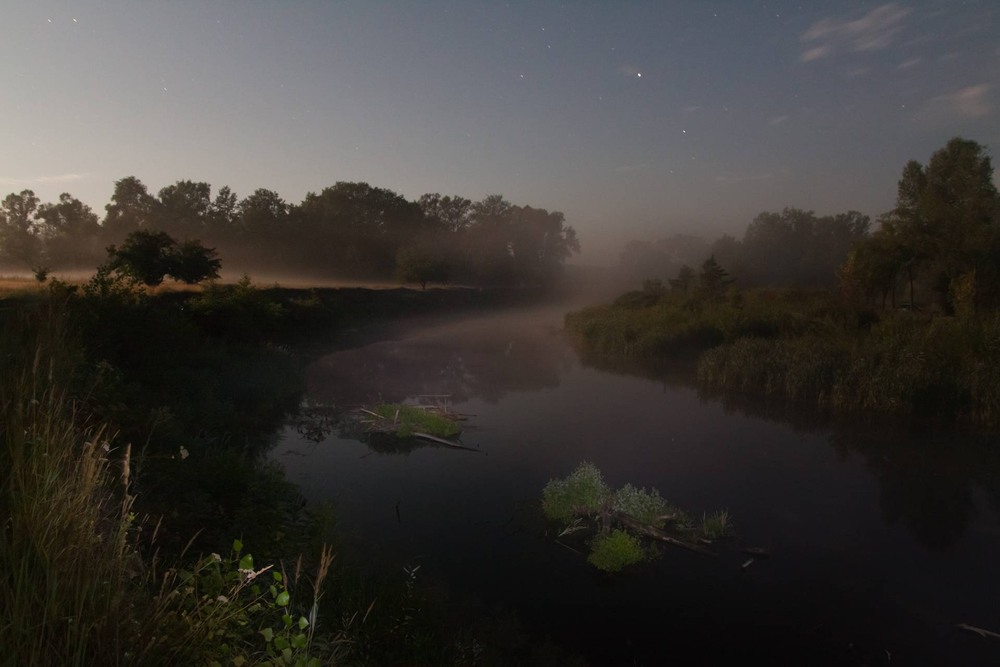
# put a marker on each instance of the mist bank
(348, 230)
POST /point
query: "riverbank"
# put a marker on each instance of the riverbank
(810, 348)
(163, 405)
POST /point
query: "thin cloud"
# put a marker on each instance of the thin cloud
(778, 120)
(42, 180)
(907, 64)
(968, 102)
(874, 31)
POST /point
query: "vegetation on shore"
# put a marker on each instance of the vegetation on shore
(134, 427)
(848, 350)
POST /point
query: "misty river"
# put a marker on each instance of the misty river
(882, 539)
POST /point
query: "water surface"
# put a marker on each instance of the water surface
(882, 541)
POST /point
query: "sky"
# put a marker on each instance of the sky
(635, 119)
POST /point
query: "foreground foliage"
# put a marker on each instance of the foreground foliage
(119, 554)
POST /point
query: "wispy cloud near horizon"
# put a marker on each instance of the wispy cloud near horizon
(968, 102)
(42, 180)
(874, 31)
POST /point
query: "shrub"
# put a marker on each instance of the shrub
(583, 490)
(646, 506)
(614, 551)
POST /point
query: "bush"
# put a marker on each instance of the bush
(583, 490)
(616, 550)
(646, 506)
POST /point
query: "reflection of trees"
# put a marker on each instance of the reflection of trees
(484, 363)
(926, 472)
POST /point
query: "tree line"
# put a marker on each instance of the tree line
(350, 230)
(939, 245)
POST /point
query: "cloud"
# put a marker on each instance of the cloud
(778, 120)
(907, 64)
(968, 102)
(42, 180)
(874, 31)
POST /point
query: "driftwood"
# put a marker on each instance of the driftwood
(444, 441)
(979, 631)
(657, 534)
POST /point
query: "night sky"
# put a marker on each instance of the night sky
(636, 119)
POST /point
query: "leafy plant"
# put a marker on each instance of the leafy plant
(615, 551)
(583, 501)
(583, 491)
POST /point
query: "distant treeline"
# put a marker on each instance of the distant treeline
(939, 246)
(350, 230)
(794, 247)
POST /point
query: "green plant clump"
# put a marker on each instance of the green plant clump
(717, 525)
(410, 419)
(616, 550)
(646, 506)
(583, 490)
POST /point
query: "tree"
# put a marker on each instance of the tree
(69, 231)
(958, 204)
(149, 256)
(131, 208)
(184, 208)
(684, 280)
(359, 227)
(19, 240)
(191, 262)
(453, 214)
(422, 265)
(714, 280)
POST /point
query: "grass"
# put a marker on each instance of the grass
(410, 419)
(810, 348)
(717, 525)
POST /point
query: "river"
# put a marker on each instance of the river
(881, 540)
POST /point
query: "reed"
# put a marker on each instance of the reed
(65, 509)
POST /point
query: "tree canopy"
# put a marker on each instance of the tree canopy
(347, 230)
(942, 237)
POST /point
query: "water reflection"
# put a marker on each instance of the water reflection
(841, 503)
(471, 360)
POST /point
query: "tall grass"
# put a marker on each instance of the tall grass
(74, 589)
(807, 347)
(64, 555)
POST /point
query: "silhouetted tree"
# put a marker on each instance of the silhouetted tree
(70, 232)
(149, 256)
(421, 264)
(713, 280)
(19, 240)
(684, 280)
(131, 208)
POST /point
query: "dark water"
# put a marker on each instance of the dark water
(882, 540)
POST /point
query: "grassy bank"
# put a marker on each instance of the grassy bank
(134, 428)
(810, 348)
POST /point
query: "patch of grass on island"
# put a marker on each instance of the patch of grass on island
(407, 420)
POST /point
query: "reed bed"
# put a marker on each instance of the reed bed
(807, 347)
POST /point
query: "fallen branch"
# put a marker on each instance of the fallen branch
(658, 534)
(979, 631)
(443, 441)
